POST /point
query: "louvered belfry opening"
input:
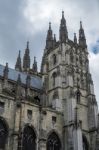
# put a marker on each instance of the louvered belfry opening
(28, 139)
(53, 142)
(3, 133)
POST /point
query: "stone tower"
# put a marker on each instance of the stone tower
(55, 109)
(70, 88)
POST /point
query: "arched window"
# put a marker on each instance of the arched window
(54, 75)
(28, 139)
(85, 143)
(71, 57)
(54, 59)
(53, 142)
(3, 133)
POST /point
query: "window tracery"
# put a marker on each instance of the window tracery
(53, 142)
(28, 139)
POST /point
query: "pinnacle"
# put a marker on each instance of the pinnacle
(27, 44)
(49, 25)
(62, 14)
(81, 25)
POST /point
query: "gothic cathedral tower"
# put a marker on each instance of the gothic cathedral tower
(55, 109)
(69, 87)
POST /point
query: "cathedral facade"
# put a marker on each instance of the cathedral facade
(55, 109)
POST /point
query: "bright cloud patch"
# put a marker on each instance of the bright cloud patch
(39, 13)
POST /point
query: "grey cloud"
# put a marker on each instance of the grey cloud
(16, 27)
(10, 35)
(14, 33)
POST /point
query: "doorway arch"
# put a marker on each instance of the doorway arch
(3, 133)
(53, 142)
(28, 139)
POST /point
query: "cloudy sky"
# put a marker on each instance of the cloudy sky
(23, 20)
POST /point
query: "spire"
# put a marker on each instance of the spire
(49, 38)
(75, 38)
(27, 44)
(82, 38)
(63, 30)
(26, 59)
(81, 25)
(35, 65)
(5, 71)
(62, 14)
(18, 63)
(50, 26)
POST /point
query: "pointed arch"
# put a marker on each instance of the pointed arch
(71, 56)
(54, 59)
(53, 142)
(3, 132)
(29, 138)
(54, 75)
(85, 143)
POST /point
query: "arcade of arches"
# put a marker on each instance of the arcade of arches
(29, 139)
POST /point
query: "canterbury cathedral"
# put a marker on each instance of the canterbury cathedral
(55, 108)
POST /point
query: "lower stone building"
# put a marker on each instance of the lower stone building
(55, 109)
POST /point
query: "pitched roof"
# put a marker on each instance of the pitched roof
(36, 81)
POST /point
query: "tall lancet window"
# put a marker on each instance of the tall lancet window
(28, 139)
(54, 75)
(3, 133)
(54, 59)
(53, 142)
(71, 57)
(78, 95)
